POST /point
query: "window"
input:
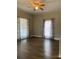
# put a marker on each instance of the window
(24, 28)
(48, 29)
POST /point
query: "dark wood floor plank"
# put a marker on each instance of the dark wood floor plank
(37, 48)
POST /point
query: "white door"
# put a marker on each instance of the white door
(48, 29)
(24, 30)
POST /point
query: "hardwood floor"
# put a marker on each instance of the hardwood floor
(37, 48)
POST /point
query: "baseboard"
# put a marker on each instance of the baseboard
(59, 56)
(36, 36)
(57, 38)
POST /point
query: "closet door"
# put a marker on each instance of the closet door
(24, 29)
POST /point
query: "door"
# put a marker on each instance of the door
(24, 29)
(48, 29)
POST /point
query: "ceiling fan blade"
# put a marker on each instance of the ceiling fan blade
(41, 8)
(42, 4)
(35, 3)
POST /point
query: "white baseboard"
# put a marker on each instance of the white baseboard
(56, 38)
(35, 36)
(59, 56)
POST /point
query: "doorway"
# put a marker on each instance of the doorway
(23, 28)
(48, 31)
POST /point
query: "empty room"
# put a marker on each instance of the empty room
(38, 29)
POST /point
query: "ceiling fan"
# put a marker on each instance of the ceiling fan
(38, 4)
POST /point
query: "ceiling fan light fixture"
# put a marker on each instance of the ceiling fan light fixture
(38, 4)
(36, 8)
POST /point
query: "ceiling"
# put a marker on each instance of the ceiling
(50, 5)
